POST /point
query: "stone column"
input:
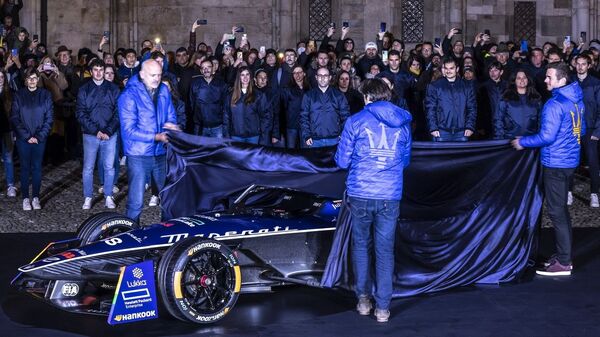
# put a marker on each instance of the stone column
(456, 15)
(375, 13)
(581, 18)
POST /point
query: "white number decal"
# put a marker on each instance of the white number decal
(113, 241)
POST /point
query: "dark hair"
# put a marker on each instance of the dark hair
(305, 84)
(337, 78)
(394, 52)
(375, 89)
(236, 93)
(562, 70)
(584, 56)
(495, 64)
(556, 52)
(181, 50)
(399, 41)
(129, 51)
(290, 50)
(97, 63)
(112, 66)
(157, 54)
(30, 71)
(448, 59)
(511, 93)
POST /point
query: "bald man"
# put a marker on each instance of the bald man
(145, 113)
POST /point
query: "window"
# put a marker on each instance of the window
(412, 20)
(524, 22)
(319, 13)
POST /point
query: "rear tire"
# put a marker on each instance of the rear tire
(199, 280)
(103, 225)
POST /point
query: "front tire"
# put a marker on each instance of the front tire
(103, 225)
(199, 280)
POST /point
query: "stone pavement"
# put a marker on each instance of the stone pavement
(62, 199)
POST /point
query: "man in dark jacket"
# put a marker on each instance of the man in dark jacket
(451, 106)
(490, 94)
(563, 122)
(145, 113)
(375, 148)
(591, 99)
(283, 75)
(97, 114)
(370, 58)
(324, 112)
(207, 96)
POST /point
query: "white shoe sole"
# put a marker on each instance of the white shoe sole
(560, 273)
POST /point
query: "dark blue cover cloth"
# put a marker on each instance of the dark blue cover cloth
(468, 212)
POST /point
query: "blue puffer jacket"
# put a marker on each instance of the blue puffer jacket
(208, 101)
(323, 114)
(97, 108)
(141, 119)
(247, 120)
(375, 147)
(450, 105)
(32, 114)
(591, 98)
(563, 124)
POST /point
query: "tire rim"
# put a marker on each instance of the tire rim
(208, 282)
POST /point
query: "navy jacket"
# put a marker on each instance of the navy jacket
(323, 114)
(208, 101)
(97, 108)
(364, 65)
(516, 118)
(291, 103)
(126, 72)
(591, 99)
(142, 118)
(272, 97)
(563, 124)
(450, 105)
(247, 120)
(32, 114)
(375, 147)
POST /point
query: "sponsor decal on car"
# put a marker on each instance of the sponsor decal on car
(203, 245)
(173, 238)
(135, 298)
(70, 289)
(190, 221)
(207, 217)
(115, 222)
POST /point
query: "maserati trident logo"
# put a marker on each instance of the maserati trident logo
(382, 150)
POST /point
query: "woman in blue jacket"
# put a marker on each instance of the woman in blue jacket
(31, 117)
(246, 116)
(291, 100)
(519, 109)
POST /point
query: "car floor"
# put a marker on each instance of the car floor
(535, 306)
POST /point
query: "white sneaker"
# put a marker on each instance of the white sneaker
(570, 198)
(35, 203)
(153, 201)
(87, 203)
(11, 191)
(123, 161)
(594, 200)
(110, 202)
(146, 186)
(26, 205)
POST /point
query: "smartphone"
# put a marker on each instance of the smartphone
(244, 36)
(384, 55)
(201, 22)
(35, 37)
(239, 30)
(458, 31)
(47, 67)
(568, 39)
(230, 36)
(263, 49)
(106, 34)
(15, 52)
(524, 46)
(345, 24)
(437, 41)
(332, 25)
(584, 36)
(240, 55)
(487, 32)
(382, 27)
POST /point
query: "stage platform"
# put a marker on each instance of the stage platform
(535, 306)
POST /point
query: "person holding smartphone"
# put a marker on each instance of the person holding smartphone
(52, 79)
(454, 50)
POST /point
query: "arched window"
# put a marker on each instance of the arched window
(412, 20)
(319, 13)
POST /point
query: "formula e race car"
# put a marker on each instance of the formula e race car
(269, 237)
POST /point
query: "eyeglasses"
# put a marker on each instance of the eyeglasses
(298, 72)
(323, 76)
(32, 78)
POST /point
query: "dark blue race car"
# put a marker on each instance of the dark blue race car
(269, 237)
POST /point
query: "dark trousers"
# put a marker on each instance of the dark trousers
(31, 156)
(455, 135)
(591, 153)
(556, 187)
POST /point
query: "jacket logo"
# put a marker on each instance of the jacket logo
(577, 123)
(382, 150)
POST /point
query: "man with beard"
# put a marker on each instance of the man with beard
(207, 97)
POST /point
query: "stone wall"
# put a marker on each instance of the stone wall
(281, 23)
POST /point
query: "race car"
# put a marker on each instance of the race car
(269, 237)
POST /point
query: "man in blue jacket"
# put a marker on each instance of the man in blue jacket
(324, 112)
(97, 114)
(375, 148)
(451, 106)
(563, 121)
(145, 112)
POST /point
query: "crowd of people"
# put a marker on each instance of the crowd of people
(118, 107)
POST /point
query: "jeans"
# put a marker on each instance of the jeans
(251, 140)
(31, 156)
(107, 148)
(7, 158)
(374, 230)
(556, 187)
(216, 132)
(325, 142)
(292, 138)
(138, 167)
(457, 135)
(116, 164)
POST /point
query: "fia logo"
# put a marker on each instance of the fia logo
(382, 150)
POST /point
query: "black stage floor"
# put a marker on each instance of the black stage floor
(534, 307)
